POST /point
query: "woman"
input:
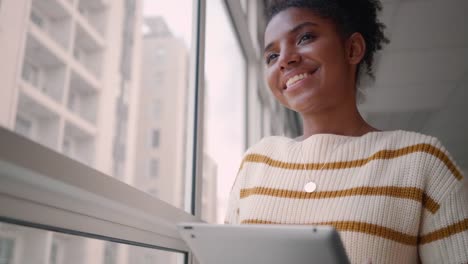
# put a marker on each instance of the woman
(394, 196)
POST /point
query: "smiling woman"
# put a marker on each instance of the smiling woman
(394, 196)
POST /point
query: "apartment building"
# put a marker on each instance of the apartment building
(69, 92)
(76, 80)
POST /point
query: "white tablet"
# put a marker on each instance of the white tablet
(263, 244)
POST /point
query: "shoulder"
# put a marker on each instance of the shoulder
(429, 148)
(267, 144)
(402, 138)
(443, 175)
(262, 152)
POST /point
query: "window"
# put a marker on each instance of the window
(225, 105)
(155, 139)
(31, 73)
(73, 102)
(56, 252)
(23, 126)
(75, 249)
(78, 54)
(110, 253)
(158, 77)
(104, 107)
(100, 110)
(37, 19)
(6, 250)
(67, 147)
(156, 111)
(153, 170)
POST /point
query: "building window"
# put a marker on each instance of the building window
(23, 126)
(6, 250)
(157, 110)
(155, 138)
(149, 259)
(73, 102)
(153, 170)
(158, 78)
(79, 55)
(225, 100)
(110, 253)
(31, 74)
(67, 147)
(37, 19)
(56, 252)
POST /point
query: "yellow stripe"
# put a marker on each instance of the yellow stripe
(382, 154)
(412, 193)
(361, 227)
(445, 232)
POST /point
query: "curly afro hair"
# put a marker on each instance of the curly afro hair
(349, 17)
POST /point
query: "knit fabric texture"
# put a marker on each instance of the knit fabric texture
(393, 196)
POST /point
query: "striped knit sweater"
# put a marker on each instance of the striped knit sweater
(394, 197)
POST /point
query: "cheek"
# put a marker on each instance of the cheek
(335, 65)
(271, 78)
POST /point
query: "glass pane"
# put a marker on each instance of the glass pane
(224, 111)
(20, 244)
(103, 82)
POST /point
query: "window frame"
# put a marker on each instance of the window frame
(44, 189)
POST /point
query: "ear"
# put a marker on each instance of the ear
(356, 48)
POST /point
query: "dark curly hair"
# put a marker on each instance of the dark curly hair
(349, 16)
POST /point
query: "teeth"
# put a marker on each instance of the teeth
(296, 78)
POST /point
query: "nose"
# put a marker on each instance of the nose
(289, 58)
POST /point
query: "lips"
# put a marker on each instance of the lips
(296, 78)
(292, 80)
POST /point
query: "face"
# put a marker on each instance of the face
(307, 64)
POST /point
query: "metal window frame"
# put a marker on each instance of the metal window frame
(242, 22)
(44, 189)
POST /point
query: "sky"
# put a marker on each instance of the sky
(224, 84)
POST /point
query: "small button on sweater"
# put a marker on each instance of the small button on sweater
(394, 196)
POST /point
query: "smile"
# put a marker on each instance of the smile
(296, 78)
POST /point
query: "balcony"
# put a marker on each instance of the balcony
(37, 122)
(77, 144)
(95, 13)
(51, 17)
(88, 51)
(43, 69)
(82, 98)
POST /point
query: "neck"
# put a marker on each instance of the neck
(345, 120)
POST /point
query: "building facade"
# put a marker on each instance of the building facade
(81, 78)
(71, 77)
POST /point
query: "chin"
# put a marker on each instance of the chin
(302, 103)
(306, 106)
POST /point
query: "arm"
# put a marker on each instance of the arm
(232, 213)
(443, 235)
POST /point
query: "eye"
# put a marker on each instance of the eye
(306, 37)
(270, 57)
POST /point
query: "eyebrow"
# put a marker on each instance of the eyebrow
(295, 29)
